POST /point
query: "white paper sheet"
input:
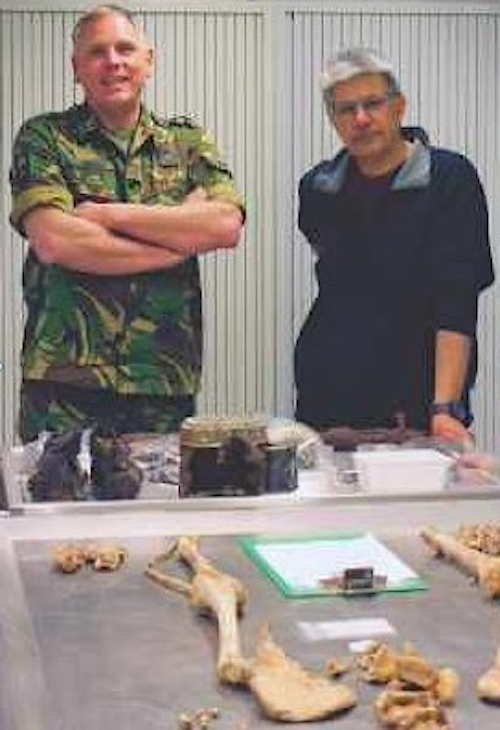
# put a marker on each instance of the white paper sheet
(303, 565)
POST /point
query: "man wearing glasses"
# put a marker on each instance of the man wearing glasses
(400, 233)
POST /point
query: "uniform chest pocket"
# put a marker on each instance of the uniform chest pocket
(168, 182)
(93, 180)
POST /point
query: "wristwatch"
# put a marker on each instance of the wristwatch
(454, 408)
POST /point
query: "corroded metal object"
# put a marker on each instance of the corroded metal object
(231, 456)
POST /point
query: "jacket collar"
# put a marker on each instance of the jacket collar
(414, 174)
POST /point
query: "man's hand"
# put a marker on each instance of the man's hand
(450, 429)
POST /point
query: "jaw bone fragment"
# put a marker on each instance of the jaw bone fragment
(284, 690)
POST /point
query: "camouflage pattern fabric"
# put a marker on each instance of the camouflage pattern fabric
(137, 334)
(59, 408)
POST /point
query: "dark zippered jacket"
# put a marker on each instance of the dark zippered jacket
(392, 270)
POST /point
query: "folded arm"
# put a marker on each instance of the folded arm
(62, 238)
(197, 225)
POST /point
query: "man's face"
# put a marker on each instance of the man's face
(367, 118)
(112, 62)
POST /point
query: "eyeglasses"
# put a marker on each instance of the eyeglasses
(373, 105)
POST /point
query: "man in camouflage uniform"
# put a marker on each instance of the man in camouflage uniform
(115, 204)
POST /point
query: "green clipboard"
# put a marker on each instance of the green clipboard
(298, 565)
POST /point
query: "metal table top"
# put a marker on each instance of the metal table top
(93, 650)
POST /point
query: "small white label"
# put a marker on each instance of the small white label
(355, 628)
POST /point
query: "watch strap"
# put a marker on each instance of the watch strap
(456, 409)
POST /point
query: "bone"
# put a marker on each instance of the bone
(284, 690)
(289, 693)
(383, 665)
(396, 708)
(218, 593)
(488, 685)
(484, 568)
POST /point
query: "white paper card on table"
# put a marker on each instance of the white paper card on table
(356, 628)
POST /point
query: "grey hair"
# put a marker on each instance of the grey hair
(351, 63)
(99, 12)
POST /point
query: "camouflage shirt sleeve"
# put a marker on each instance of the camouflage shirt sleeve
(206, 168)
(36, 177)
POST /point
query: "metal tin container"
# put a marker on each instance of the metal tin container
(230, 456)
(281, 468)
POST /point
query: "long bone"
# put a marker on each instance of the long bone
(216, 592)
(484, 568)
(284, 690)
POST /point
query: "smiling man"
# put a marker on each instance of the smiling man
(116, 205)
(400, 232)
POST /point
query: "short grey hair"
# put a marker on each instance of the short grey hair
(99, 12)
(354, 62)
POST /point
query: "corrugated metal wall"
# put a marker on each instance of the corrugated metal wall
(250, 73)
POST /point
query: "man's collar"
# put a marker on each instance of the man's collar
(88, 123)
(415, 172)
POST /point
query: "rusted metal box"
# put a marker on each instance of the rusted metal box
(231, 456)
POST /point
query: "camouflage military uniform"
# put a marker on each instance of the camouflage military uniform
(135, 335)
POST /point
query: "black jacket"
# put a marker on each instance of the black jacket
(394, 266)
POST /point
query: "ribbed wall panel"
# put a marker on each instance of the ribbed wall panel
(210, 66)
(35, 75)
(249, 74)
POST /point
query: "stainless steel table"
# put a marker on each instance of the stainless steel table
(96, 650)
